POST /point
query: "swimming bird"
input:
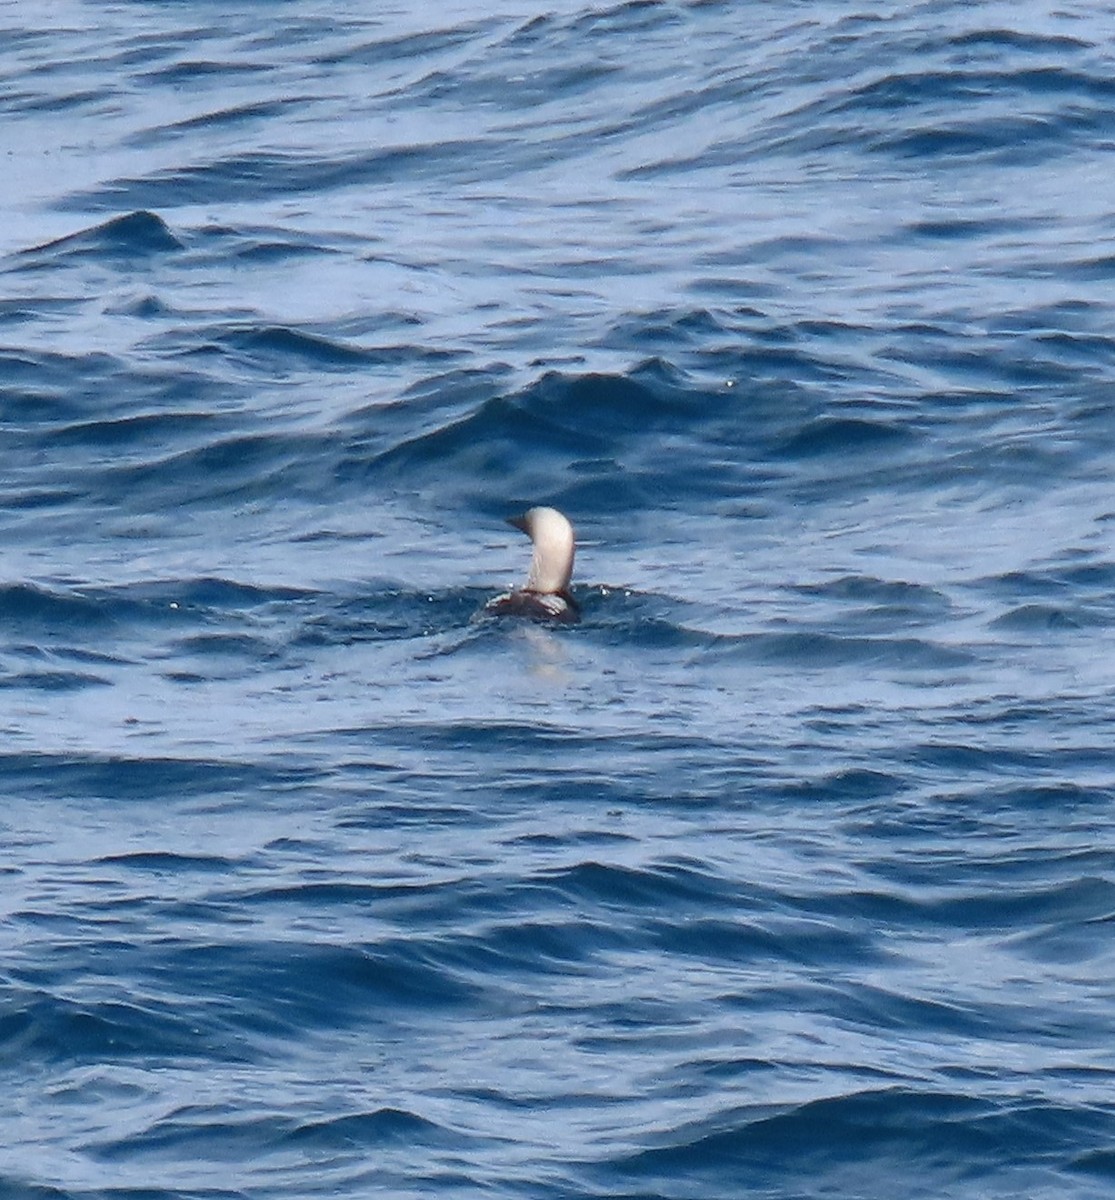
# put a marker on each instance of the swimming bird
(545, 596)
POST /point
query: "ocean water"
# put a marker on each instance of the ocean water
(789, 872)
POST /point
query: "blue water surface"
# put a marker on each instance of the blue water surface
(789, 872)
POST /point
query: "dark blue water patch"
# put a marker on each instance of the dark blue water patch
(499, 926)
(800, 251)
(145, 430)
(50, 681)
(1040, 585)
(1063, 313)
(390, 49)
(532, 90)
(348, 895)
(1059, 796)
(1071, 902)
(198, 1133)
(999, 138)
(666, 887)
(132, 237)
(225, 655)
(746, 943)
(162, 862)
(215, 242)
(840, 1143)
(272, 989)
(145, 307)
(856, 1004)
(898, 91)
(25, 608)
(73, 417)
(54, 654)
(16, 311)
(39, 385)
(208, 592)
(255, 176)
(804, 363)
(657, 333)
(606, 432)
(878, 909)
(462, 386)
(742, 344)
(433, 403)
(404, 801)
(961, 227)
(842, 436)
(1011, 908)
(42, 1027)
(848, 785)
(1053, 108)
(517, 735)
(574, 838)
(223, 117)
(207, 1133)
(999, 368)
(488, 443)
(194, 71)
(1037, 618)
(1009, 759)
(24, 1189)
(526, 952)
(616, 793)
(886, 596)
(276, 348)
(56, 614)
(1090, 267)
(821, 651)
(653, 397)
(120, 778)
(269, 250)
(13, 1188)
(388, 613)
(230, 467)
(1066, 945)
(999, 104)
(1081, 570)
(231, 1002)
(1005, 38)
(383, 1126)
(869, 1007)
(141, 47)
(90, 99)
(1080, 349)
(1100, 1163)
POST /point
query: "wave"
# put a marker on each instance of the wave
(899, 1128)
(135, 235)
(215, 627)
(139, 777)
